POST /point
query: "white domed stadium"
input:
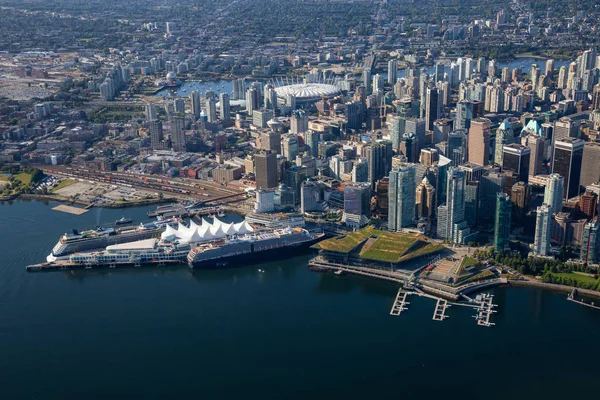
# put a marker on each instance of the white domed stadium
(308, 92)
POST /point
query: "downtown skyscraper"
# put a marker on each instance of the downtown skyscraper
(401, 198)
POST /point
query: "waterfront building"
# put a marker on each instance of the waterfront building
(567, 162)
(590, 242)
(543, 228)
(502, 222)
(265, 201)
(401, 198)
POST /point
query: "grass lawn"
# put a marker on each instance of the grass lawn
(63, 184)
(25, 178)
(347, 242)
(576, 277)
(468, 261)
(389, 246)
(380, 245)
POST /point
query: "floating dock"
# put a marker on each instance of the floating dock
(485, 310)
(400, 303)
(440, 310)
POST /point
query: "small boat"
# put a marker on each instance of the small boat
(123, 221)
(261, 271)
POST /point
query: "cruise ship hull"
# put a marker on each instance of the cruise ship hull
(254, 257)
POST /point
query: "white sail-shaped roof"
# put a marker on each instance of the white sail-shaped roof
(228, 229)
(206, 231)
(216, 231)
(243, 227)
(217, 222)
(169, 234)
(193, 225)
(193, 237)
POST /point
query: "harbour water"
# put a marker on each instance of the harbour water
(285, 333)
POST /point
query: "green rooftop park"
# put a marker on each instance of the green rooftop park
(373, 244)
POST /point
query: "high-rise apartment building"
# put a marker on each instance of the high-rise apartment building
(554, 192)
(502, 222)
(543, 227)
(590, 242)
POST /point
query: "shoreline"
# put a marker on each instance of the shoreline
(42, 197)
(553, 287)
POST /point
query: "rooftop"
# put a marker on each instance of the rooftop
(380, 245)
